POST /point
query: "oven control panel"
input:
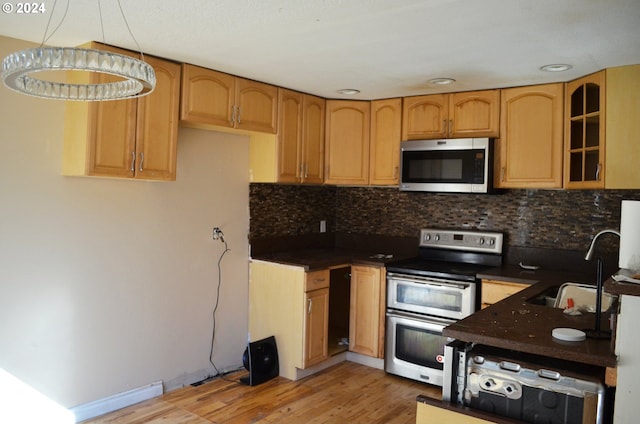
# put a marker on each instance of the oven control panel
(472, 241)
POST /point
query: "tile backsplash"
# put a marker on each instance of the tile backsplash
(559, 219)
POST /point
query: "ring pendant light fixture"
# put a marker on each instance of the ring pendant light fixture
(18, 68)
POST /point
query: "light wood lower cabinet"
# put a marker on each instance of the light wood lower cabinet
(436, 411)
(366, 313)
(292, 305)
(494, 291)
(316, 327)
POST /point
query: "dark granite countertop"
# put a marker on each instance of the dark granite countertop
(621, 288)
(516, 324)
(516, 274)
(314, 259)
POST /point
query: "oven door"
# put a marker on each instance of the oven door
(414, 346)
(431, 296)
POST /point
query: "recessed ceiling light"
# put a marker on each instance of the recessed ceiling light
(556, 67)
(441, 81)
(348, 91)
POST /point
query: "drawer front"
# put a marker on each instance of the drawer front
(317, 280)
(495, 291)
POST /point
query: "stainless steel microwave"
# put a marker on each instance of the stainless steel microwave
(462, 165)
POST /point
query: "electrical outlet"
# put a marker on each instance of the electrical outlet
(323, 226)
(217, 233)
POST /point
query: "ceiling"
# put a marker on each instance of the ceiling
(384, 48)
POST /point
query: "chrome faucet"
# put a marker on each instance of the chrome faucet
(596, 333)
(594, 242)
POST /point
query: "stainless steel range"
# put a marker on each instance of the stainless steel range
(431, 291)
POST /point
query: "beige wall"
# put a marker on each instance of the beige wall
(108, 285)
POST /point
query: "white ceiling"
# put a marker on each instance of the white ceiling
(385, 48)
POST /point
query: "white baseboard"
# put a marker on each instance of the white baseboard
(365, 360)
(333, 360)
(194, 377)
(117, 401)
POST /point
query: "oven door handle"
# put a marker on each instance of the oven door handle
(428, 281)
(419, 317)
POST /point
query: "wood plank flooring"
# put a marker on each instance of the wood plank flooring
(345, 393)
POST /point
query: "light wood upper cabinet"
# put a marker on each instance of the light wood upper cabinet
(256, 106)
(425, 117)
(455, 115)
(215, 99)
(300, 138)
(290, 136)
(602, 130)
(347, 142)
(386, 133)
(530, 150)
(313, 122)
(622, 167)
(367, 311)
(133, 138)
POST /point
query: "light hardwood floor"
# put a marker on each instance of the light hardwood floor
(345, 393)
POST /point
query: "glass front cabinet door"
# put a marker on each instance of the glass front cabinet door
(584, 132)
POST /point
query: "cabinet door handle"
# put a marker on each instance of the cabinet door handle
(239, 113)
(502, 172)
(306, 170)
(233, 115)
(141, 161)
(598, 169)
(318, 280)
(395, 172)
(300, 172)
(444, 126)
(309, 304)
(133, 161)
(450, 126)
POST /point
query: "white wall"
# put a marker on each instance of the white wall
(108, 285)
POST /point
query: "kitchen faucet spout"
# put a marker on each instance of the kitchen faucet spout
(594, 242)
